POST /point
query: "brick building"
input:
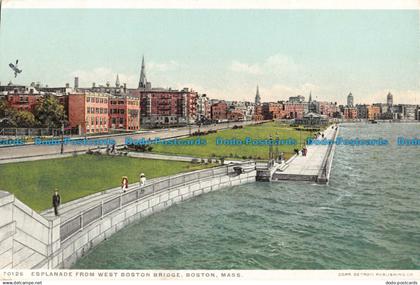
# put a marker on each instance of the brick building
(258, 113)
(88, 112)
(293, 110)
(166, 107)
(373, 112)
(350, 113)
(22, 98)
(219, 111)
(271, 110)
(368, 112)
(235, 115)
(124, 113)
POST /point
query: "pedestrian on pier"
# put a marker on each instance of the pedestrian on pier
(56, 201)
(124, 183)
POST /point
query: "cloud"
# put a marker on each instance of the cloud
(237, 66)
(277, 64)
(162, 67)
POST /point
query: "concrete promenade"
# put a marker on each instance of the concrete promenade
(32, 152)
(307, 168)
(72, 208)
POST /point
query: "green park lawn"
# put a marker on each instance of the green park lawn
(261, 132)
(33, 182)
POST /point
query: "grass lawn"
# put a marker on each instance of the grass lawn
(261, 132)
(33, 182)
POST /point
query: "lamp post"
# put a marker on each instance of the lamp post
(62, 137)
(300, 136)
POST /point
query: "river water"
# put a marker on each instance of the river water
(368, 217)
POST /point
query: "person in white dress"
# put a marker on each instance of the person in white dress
(142, 180)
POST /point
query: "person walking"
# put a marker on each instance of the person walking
(56, 201)
(142, 181)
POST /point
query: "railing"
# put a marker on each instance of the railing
(14, 132)
(323, 173)
(75, 224)
(265, 165)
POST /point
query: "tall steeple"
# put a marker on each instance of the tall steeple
(350, 100)
(117, 82)
(310, 96)
(257, 96)
(143, 80)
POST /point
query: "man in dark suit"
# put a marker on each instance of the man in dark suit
(56, 200)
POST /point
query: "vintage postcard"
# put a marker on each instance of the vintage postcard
(209, 141)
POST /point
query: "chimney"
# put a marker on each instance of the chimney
(76, 82)
(125, 87)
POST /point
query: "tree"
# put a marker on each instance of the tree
(49, 112)
(7, 114)
(24, 119)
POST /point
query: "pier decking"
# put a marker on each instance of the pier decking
(315, 166)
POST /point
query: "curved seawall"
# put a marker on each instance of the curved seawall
(63, 242)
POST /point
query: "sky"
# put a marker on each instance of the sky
(223, 53)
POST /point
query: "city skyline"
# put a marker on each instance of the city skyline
(368, 53)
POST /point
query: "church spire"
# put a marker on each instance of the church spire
(117, 82)
(257, 96)
(310, 96)
(143, 80)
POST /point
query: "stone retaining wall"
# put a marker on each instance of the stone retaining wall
(26, 238)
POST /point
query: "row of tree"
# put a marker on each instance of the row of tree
(48, 113)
